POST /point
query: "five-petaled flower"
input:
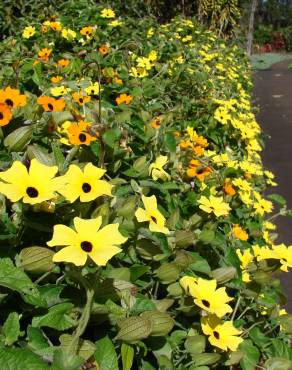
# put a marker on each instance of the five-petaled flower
(33, 185)
(85, 184)
(221, 334)
(206, 295)
(215, 205)
(152, 215)
(88, 239)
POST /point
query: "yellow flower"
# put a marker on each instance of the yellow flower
(85, 184)
(138, 72)
(221, 115)
(215, 205)
(86, 240)
(28, 32)
(208, 297)
(263, 253)
(32, 186)
(59, 91)
(221, 334)
(92, 89)
(261, 205)
(115, 23)
(188, 283)
(107, 13)
(156, 169)
(284, 253)
(245, 259)
(143, 62)
(68, 34)
(152, 56)
(152, 215)
(150, 33)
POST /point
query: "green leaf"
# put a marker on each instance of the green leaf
(66, 361)
(36, 339)
(15, 279)
(170, 142)
(20, 359)
(277, 363)
(11, 328)
(105, 355)
(85, 348)
(142, 305)
(207, 236)
(127, 352)
(57, 318)
(111, 136)
(277, 199)
(17, 140)
(199, 264)
(251, 355)
(258, 337)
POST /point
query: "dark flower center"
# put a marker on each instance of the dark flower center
(206, 303)
(216, 334)
(82, 137)
(32, 192)
(9, 102)
(81, 100)
(50, 106)
(154, 219)
(1, 115)
(86, 246)
(86, 187)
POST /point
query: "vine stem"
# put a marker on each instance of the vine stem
(83, 320)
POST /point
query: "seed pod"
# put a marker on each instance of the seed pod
(183, 259)
(207, 358)
(35, 151)
(195, 344)
(146, 249)
(175, 290)
(140, 164)
(163, 305)
(17, 140)
(134, 328)
(162, 323)
(128, 208)
(224, 274)
(262, 277)
(184, 239)
(36, 260)
(168, 273)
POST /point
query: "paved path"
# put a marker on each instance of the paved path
(273, 93)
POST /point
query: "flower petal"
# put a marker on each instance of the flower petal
(71, 254)
(102, 255)
(87, 227)
(63, 235)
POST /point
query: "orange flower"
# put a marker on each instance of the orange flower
(86, 31)
(103, 49)
(239, 233)
(51, 104)
(56, 26)
(63, 63)
(44, 29)
(5, 114)
(44, 54)
(12, 98)
(118, 81)
(78, 135)
(200, 140)
(184, 144)
(199, 173)
(229, 189)
(156, 122)
(198, 150)
(56, 79)
(81, 99)
(124, 98)
(194, 163)
(248, 175)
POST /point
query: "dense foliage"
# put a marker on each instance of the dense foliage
(133, 225)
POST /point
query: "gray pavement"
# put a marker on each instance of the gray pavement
(273, 95)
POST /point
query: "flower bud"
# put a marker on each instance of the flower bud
(224, 274)
(162, 323)
(195, 344)
(134, 328)
(36, 260)
(168, 273)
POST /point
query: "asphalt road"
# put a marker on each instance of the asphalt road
(273, 95)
